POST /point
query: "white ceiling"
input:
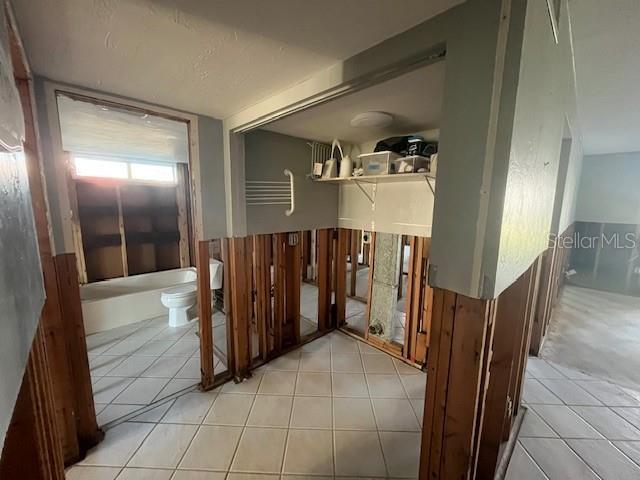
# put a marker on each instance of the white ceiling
(414, 99)
(606, 38)
(213, 57)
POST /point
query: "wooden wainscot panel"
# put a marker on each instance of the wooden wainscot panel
(461, 337)
(87, 430)
(32, 447)
(511, 327)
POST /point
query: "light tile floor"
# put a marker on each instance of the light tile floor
(335, 407)
(354, 315)
(135, 365)
(309, 309)
(576, 427)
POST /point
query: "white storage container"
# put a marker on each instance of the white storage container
(378, 163)
(412, 164)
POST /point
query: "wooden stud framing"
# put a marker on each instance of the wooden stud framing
(324, 242)
(76, 231)
(279, 289)
(341, 275)
(262, 272)
(371, 263)
(226, 262)
(182, 194)
(240, 304)
(123, 237)
(353, 255)
(292, 290)
(204, 315)
(418, 302)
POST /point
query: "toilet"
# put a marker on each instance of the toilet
(181, 298)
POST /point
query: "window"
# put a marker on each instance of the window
(149, 172)
(153, 172)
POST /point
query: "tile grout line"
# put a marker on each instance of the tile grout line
(375, 417)
(293, 402)
(198, 427)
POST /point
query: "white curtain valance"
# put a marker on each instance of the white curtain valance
(93, 129)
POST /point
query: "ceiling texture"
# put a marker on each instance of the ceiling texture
(413, 99)
(214, 57)
(606, 37)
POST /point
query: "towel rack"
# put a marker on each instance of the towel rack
(272, 192)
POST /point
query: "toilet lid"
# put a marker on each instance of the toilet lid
(183, 290)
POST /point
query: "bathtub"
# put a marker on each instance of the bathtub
(121, 301)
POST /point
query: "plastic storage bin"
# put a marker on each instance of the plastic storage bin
(412, 164)
(378, 163)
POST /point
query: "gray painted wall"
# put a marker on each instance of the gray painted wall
(267, 154)
(570, 198)
(211, 178)
(470, 33)
(21, 288)
(538, 94)
(609, 190)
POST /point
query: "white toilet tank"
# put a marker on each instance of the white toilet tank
(215, 273)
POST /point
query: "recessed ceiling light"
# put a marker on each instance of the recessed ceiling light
(372, 120)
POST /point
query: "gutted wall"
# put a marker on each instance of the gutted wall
(21, 288)
(538, 95)
(267, 154)
(210, 178)
(609, 190)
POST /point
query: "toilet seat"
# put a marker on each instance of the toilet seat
(181, 291)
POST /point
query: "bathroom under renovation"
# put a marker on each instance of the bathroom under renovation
(316, 240)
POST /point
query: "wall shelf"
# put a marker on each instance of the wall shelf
(376, 179)
(390, 178)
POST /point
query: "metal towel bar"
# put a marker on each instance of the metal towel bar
(272, 192)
